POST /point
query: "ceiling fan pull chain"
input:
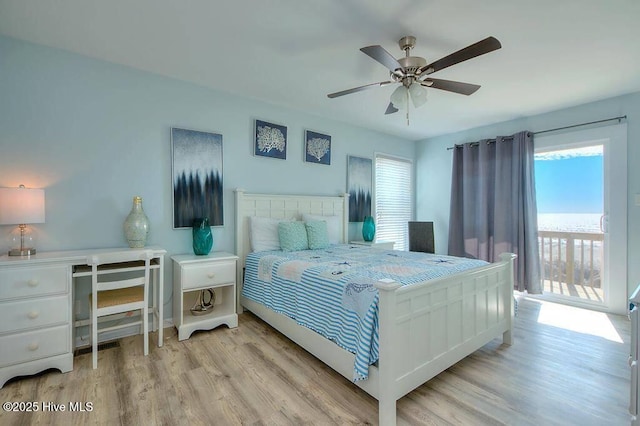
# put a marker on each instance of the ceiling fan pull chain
(407, 107)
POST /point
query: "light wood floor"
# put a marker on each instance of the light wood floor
(581, 292)
(252, 375)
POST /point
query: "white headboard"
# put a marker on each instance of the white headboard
(284, 207)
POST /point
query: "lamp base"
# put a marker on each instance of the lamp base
(22, 252)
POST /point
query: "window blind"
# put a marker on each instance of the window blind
(393, 199)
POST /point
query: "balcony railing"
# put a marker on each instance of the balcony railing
(571, 263)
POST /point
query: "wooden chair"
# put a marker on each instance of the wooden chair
(421, 237)
(127, 290)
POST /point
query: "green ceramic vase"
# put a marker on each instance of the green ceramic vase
(202, 237)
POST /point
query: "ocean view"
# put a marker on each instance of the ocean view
(569, 222)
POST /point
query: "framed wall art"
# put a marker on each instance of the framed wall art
(196, 159)
(317, 148)
(270, 140)
(359, 187)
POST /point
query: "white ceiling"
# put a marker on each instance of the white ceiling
(555, 53)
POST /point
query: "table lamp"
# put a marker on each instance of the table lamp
(21, 206)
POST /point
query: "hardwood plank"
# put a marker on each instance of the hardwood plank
(252, 375)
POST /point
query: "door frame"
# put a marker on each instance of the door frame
(614, 140)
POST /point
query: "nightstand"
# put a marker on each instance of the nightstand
(384, 245)
(192, 273)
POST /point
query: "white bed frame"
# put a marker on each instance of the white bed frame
(423, 329)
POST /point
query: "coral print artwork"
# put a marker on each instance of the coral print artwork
(270, 140)
(317, 148)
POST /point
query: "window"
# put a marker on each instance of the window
(394, 199)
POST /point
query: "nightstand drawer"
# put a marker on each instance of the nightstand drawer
(24, 282)
(32, 345)
(208, 275)
(31, 313)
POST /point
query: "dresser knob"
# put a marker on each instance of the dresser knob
(211, 275)
(33, 314)
(34, 346)
(33, 282)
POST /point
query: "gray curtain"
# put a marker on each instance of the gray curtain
(493, 205)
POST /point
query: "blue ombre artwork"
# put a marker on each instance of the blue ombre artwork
(359, 187)
(197, 177)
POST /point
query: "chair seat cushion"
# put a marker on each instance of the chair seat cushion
(120, 296)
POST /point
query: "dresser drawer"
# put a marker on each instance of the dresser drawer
(30, 313)
(32, 345)
(208, 275)
(24, 282)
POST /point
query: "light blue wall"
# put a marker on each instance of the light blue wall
(433, 165)
(94, 134)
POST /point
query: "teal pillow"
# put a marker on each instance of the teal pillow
(317, 234)
(293, 236)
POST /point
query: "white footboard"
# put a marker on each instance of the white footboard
(426, 328)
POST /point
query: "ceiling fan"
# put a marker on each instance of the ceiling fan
(413, 72)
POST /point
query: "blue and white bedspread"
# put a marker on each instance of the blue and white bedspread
(331, 290)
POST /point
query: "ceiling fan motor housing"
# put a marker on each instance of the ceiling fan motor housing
(411, 64)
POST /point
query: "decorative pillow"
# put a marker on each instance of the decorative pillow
(264, 233)
(334, 225)
(293, 236)
(317, 234)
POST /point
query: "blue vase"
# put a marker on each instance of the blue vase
(368, 228)
(202, 237)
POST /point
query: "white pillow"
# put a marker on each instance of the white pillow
(333, 226)
(264, 233)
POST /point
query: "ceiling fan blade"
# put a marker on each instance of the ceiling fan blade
(450, 86)
(390, 109)
(385, 58)
(487, 45)
(358, 89)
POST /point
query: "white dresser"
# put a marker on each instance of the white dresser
(35, 318)
(191, 274)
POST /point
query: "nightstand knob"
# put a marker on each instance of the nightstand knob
(211, 275)
(33, 314)
(34, 346)
(33, 282)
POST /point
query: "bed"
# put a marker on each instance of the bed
(423, 328)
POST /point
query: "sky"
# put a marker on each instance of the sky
(569, 181)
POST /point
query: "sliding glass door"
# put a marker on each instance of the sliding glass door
(581, 196)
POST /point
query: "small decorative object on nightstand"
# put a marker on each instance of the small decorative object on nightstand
(202, 238)
(368, 228)
(193, 274)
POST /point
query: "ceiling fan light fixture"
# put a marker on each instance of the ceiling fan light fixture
(418, 94)
(399, 97)
(409, 72)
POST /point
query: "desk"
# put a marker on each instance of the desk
(36, 308)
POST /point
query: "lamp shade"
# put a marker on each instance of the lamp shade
(399, 97)
(418, 94)
(21, 206)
